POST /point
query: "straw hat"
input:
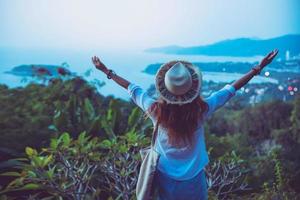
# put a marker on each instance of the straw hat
(178, 82)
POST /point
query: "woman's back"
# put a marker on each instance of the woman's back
(181, 163)
(185, 162)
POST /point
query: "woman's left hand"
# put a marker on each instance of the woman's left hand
(98, 64)
(268, 59)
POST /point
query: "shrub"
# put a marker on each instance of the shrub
(66, 169)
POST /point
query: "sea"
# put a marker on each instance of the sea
(126, 63)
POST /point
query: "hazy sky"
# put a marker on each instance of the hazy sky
(128, 24)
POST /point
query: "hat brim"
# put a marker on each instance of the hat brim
(187, 97)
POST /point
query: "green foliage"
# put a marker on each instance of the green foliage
(104, 165)
(31, 115)
(27, 114)
(135, 121)
(76, 114)
(134, 118)
(109, 134)
(279, 189)
(65, 169)
(259, 121)
(254, 133)
(121, 164)
(295, 119)
(81, 168)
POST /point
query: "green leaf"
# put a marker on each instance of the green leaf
(106, 144)
(50, 172)
(113, 113)
(123, 172)
(52, 127)
(30, 186)
(47, 160)
(123, 149)
(16, 182)
(60, 119)
(31, 174)
(11, 174)
(134, 118)
(65, 138)
(57, 114)
(132, 137)
(53, 143)
(107, 128)
(81, 137)
(37, 161)
(30, 151)
(88, 108)
(118, 163)
(95, 156)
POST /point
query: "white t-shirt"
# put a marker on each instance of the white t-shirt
(186, 162)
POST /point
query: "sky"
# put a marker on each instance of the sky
(140, 24)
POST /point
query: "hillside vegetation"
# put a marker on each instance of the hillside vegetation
(52, 135)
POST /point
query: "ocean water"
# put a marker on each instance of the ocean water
(128, 64)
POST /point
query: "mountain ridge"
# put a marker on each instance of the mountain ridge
(238, 47)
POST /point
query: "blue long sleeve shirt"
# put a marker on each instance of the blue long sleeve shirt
(185, 162)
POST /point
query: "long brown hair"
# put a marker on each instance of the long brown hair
(180, 121)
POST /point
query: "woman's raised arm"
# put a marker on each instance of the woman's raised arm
(137, 94)
(255, 70)
(219, 98)
(110, 73)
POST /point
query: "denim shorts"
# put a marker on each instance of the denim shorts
(170, 189)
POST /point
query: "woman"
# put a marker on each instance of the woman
(179, 113)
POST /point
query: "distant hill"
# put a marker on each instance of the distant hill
(32, 70)
(241, 47)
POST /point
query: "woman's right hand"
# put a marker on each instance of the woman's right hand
(98, 64)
